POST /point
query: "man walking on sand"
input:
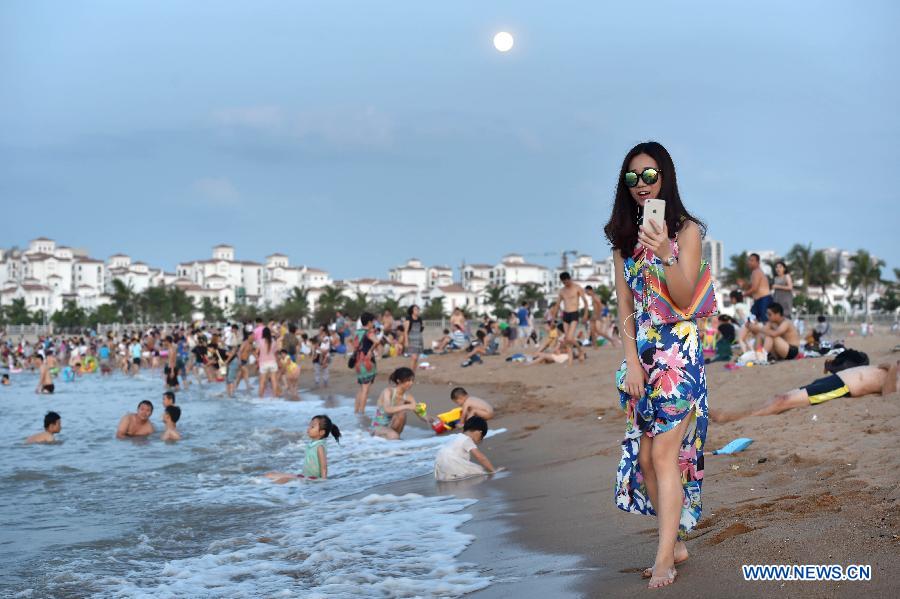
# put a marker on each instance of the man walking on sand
(571, 296)
(757, 288)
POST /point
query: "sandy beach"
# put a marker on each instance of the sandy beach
(817, 486)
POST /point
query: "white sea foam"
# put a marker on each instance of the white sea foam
(220, 529)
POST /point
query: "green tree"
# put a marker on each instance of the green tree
(800, 260)
(245, 312)
(70, 317)
(122, 297)
(104, 314)
(330, 301)
(889, 302)
(17, 313)
(533, 294)
(739, 269)
(604, 293)
(820, 274)
(155, 305)
(434, 310)
(391, 305)
(864, 274)
(212, 311)
(296, 306)
(496, 297)
(355, 306)
(180, 304)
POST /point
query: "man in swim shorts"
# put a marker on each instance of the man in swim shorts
(570, 299)
(757, 288)
(45, 383)
(779, 336)
(853, 382)
(136, 425)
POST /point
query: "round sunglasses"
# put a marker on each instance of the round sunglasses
(650, 176)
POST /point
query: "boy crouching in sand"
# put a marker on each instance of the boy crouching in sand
(453, 458)
(471, 406)
(171, 415)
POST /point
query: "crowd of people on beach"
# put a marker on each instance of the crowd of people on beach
(661, 383)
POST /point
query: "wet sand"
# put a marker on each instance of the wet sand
(818, 486)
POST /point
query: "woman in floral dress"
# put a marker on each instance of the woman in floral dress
(662, 384)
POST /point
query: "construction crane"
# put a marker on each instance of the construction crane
(564, 256)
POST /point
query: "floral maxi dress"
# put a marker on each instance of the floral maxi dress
(672, 356)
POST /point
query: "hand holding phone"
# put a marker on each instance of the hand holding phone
(654, 211)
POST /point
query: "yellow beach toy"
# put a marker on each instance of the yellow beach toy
(447, 421)
(421, 409)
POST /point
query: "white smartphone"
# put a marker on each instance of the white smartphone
(654, 210)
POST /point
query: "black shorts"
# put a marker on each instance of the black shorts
(136, 361)
(49, 388)
(570, 317)
(793, 350)
(172, 380)
(826, 388)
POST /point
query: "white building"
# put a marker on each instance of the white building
(713, 252)
(411, 273)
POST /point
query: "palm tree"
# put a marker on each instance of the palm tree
(390, 305)
(434, 310)
(495, 296)
(123, 299)
(739, 269)
(331, 300)
(296, 306)
(820, 274)
(800, 259)
(17, 313)
(532, 293)
(864, 274)
(357, 305)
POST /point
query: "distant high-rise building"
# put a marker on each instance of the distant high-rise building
(713, 252)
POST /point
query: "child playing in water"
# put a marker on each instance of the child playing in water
(168, 399)
(291, 372)
(453, 459)
(171, 415)
(471, 406)
(315, 464)
(393, 404)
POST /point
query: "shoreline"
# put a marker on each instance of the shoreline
(818, 486)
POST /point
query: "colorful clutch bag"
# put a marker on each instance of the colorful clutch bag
(662, 307)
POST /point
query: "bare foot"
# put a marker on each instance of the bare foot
(662, 580)
(681, 556)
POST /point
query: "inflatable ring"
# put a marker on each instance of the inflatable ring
(68, 374)
(89, 364)
(54, 371)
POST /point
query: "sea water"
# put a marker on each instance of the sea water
(95, 516)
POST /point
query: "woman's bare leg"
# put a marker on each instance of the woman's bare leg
(670, 499)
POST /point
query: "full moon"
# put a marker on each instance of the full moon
(503, 41)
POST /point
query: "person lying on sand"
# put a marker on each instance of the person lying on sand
(853, 382)
(136, 425)
(52, 425)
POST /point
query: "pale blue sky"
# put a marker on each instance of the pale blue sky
(352, 135)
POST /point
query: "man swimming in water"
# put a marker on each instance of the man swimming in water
(852, 382)
(136, 425)
(52, 425)
(570, 297)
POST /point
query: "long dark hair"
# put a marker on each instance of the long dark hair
(267, 335)
(328, 426)
(622, 228)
